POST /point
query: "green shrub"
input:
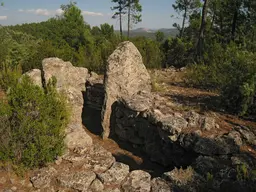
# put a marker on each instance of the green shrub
(178, 52)
(239, 90)
(9, 77)
(233, 73)
(34, 125)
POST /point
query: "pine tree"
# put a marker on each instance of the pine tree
(120, 7)
(134, 9)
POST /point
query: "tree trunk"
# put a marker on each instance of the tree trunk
(200, 41)
(121, 28)
(129, 17)
(183, 23)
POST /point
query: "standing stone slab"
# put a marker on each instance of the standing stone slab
(71, 81)
(126, 75)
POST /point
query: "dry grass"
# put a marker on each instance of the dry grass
(183, 176)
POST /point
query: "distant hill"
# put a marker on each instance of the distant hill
(150, 33)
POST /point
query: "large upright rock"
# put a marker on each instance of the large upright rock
(126, 75)
(70, 80)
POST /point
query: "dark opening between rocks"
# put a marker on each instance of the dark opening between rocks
(124, 151)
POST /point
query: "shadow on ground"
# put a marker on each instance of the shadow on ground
(204, 102)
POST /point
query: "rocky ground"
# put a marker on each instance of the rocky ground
(102, 168)
(152, 133)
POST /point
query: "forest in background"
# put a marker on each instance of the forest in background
(216, 42)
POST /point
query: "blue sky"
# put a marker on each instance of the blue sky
(156, 13)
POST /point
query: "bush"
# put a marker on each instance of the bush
(150, 50)
(233, 73)
(239, 90)
(178, 52)
(9, 77)
(34, 121)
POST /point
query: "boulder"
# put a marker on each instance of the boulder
(126, 75)
(160, 185)
(71, 82)
(115, 175)
(78, 180)
(66, 74)
(137, 181)
(98, 159)
(96, 186)
(43, 178)
(36, 76)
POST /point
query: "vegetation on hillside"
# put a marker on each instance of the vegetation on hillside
(217, 45)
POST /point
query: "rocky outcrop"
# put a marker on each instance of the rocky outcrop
(148, 122)
(125, 76)
(71, 81)
(36, 76)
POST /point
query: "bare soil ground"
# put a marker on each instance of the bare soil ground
(171, 84)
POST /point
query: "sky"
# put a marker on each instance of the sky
(156, 13)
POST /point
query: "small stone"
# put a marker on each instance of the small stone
(198, 132)
(2, 180)
(22, 182)
(208, 123)
(14, 188)
(58, 161)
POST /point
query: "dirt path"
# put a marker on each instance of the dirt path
(125, 153)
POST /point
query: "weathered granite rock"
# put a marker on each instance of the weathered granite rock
(126, 75)
(43, 178)
(208, 123)
(137, 181)
(66, 74)
(184, 179)
(115, 175)
(96, 186)
(36, 76)
(246, 134)
(77, 138)
(220, 145)
(70, 81)
(98, 159)
(160, 185)
(79, 180)
(193, 118)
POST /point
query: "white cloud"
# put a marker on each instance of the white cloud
(3, 17)
(91, 13)
(59, 11)
(46, 12)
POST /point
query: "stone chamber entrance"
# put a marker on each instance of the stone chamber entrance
(123, 151)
